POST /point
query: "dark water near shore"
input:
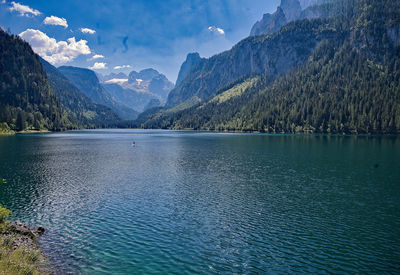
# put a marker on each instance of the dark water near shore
(189, 202)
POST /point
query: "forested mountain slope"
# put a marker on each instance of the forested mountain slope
(348, 83)
(26, 99)
(273, 55)
(82, 111)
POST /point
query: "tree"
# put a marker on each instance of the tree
(21, 121)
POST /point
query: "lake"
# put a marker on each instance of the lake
(201, 202)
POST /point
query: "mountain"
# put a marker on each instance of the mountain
(274, 55)
(150, 81)
(187, 66)
(81, 110)
(307, 3)
(87, 81)
(137, 89)
(104, 78)
(337, 74)
(128, 97)
(270, 23)
(153, 103)
(288, 11)
(26, 99)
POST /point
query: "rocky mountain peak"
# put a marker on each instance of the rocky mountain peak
(191, 60)
(287, 11)
(146, 74)
(291, 8)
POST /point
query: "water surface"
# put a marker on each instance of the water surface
(198, 202)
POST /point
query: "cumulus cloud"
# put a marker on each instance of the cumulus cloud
(54, 20)
(122, 67)
(98, 66)
(96, 56)
(3, 1)
(54, 51)
(215, 29)
(117, 81)
(87, 30)
(23, 10)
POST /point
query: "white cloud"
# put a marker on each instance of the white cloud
(96, 56)
(215, 29)
(53, 51)
(3, 1)
(54, 20)
(116, 81)
(122, 67)
(98, 66)
(23, 10)
(87, 30)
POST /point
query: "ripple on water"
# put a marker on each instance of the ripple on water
(185, 202)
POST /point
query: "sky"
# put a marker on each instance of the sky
(122, 35)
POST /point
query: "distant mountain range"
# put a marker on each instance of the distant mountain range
(138, 89)
(36, 95)
(87, 81)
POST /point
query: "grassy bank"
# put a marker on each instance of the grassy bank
(5, 130)
(19, 251)
(33, 132)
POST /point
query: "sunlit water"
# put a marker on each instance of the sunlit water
(196, 202)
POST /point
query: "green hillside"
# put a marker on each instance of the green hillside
(26, 99)
(81, 110)
(348, 84)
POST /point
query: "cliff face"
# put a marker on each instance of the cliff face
(191, 60)
(291, 9)
(270, 23)
(288, 11)
(270, 55)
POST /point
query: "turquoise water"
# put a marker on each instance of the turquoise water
(197, 202)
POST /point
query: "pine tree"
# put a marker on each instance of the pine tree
(21, 121)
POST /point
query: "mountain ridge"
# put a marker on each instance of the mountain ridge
(81, 110)
(87, 81)
(137, 89)
(349, 83)
(26, 99)
(274, 54)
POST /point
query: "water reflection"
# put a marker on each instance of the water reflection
(205, 202)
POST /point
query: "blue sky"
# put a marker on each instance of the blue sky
(131, 35)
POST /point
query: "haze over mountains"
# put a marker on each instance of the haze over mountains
(139, 88)
(312, 66)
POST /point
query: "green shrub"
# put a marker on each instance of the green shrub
(4, 214)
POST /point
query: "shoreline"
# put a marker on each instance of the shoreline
(305, 133)
(19, 249)
(33, 132)
(11, 132)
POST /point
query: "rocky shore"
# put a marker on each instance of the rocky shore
(23, 236)
(19, 249)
